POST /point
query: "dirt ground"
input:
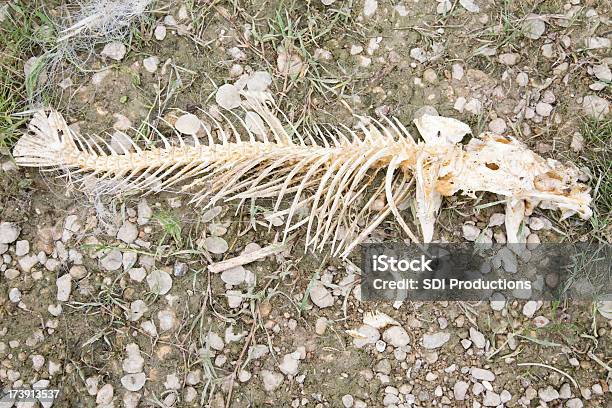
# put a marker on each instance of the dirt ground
(99, 295)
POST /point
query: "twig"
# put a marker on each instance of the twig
(246, 258)
(554, 369)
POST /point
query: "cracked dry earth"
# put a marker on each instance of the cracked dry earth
(112, 303)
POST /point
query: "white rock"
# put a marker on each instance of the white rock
(507, 259)
(328, 2)
(271, 380)
(320, 296)
(259, 81)
(369, 7)
(543, 109)
(172, 382)
(482, 374)
(470, 6)
(522, 79)
(112, 260)
(160, 282)
(228, 96)
(114, 50)
(9, 232)
(150, 64)
(64, 287)
(127, 233)
(55, 310)
(396, 336)
(214, 341)
(595, 107)
(418, 54)
(38, 361)
(548, 394)
(530, 308)
(129, 260)
(167, 319)
(137, 274)
(444, 6)
(576, 145)
(149, 327)
(134, 362)
(505, 396)
(348, 401)
(548, 51)
(234, 276)
(460, 390)
(470, 232)
(365, 335)
(497, 219)
(290, 363)
(595, 43)
(474, 106)
(498, 301)
(137, 309)
(26, 263)
(435, 340)
(289, 63)
(234, 298)
(11, 274)
(540, 321)
(22, 248)
(509, 58)
(216, 245)
(144, 212)
(212, 213)
(105, 395)
(498, 126)
(98, 77)
(533, 26)
(491, 399)
(133, 382)
(477, 338)
(188, 124)
(160, 32)
(15, 295)
(574, 403)
(457, 72)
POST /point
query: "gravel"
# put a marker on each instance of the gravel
(396, 336)
(160, 282)
(596, 107)
(477, 338)
(271, 380)
(234, 276)
(22, 248)
(150, 64)
(112, 260)
(114, 50)
(9, 232)
(216, 245)
(228, 96)
(64, 287)
(533, 26)
(127, 233)
(460, 390)
(548, 394)
(482, 374)
(435, 340)
(320, 296)
(188, 124)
